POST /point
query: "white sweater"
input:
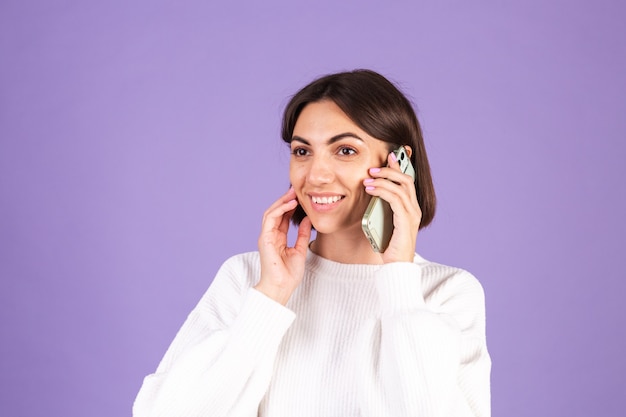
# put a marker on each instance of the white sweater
(401, 339)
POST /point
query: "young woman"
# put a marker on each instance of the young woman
(331, 327)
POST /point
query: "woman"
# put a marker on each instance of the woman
(331, 327)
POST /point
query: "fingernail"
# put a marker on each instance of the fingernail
(368, 180)
(374, 170)
(369, 188)
(394, 158)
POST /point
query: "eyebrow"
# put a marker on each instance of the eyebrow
(331, 140)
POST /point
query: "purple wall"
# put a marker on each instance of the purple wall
(139, 148)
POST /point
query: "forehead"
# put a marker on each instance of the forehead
(321, 119)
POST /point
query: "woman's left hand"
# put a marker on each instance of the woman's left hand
(398, 189)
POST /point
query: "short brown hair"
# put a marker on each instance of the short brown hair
(378, 107)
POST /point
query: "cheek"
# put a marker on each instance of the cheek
(296, 174)
(353, 175)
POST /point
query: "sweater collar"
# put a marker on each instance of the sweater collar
(325, 267)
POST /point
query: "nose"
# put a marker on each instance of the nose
(320, 171)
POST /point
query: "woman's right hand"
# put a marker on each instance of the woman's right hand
(282, 267)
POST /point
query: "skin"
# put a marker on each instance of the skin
(331, 157)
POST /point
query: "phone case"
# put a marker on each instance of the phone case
(377, 222)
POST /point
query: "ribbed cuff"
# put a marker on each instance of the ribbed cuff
(261, 325)
(399, 286)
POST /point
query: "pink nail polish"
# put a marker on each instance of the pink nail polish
(368, 180)
(394, 158)
(369, 188)
(374, 170)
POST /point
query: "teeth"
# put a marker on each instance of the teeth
(326, 200)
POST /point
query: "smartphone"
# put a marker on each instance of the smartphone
(377, 222)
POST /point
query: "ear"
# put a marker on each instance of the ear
(409, 150)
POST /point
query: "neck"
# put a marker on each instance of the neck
(347, 248)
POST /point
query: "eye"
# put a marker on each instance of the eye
(347, 151)
(299, 152)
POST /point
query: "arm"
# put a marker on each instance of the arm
(433, 357)
(221, 359)
(433, 354)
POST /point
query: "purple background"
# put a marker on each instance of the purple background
(139, 147)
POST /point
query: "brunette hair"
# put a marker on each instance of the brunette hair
(378, 107)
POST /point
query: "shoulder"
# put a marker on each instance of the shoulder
(448, 288)
(235, 275)
(436, 275)
(244, 260)
(229, 286)
(243, 268)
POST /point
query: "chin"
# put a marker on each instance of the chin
(329, 226)
(322, 225)
(334, 222)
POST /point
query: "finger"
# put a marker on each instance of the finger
(304, 235)
(401, 197)
(392, 174)
(398, 200)
(275, 217)
(288, 196)
(286, 199)
(278, 210)
(284, 223)
(392, 161)
(401, 185)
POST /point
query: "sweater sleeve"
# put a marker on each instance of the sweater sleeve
(433, 356)
(221, 360)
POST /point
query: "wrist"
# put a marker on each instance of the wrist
(392, 256)
(278, 294)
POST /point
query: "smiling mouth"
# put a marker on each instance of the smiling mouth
(326, 200)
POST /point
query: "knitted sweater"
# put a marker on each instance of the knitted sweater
(400, 339)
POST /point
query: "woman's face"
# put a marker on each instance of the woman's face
(330, 158)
